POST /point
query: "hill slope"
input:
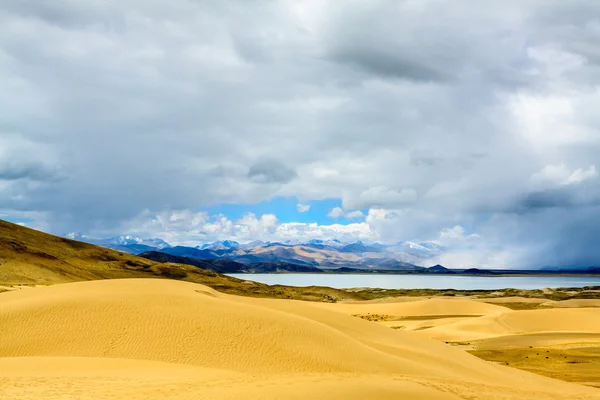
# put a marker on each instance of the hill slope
(30, 257)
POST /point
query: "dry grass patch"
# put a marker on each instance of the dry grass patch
(572, 364)
(519, 305)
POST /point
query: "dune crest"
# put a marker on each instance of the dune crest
(583, 320)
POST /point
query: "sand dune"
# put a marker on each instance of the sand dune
(147, 339)
(435, 306)
(559, 339)
(583, 320)
(415, 314)
(95, 378)
(573, 303)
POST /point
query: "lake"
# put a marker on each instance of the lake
(422, 281)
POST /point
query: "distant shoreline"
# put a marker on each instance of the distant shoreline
(380, 272)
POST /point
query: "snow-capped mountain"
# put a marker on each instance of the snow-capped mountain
(330, 253)
(120, 241)
(419, 248)
(123, 240)
(127, 240)
(330, 242)
(158, 243)
(255, 243)
(433, 246)
(219, 245)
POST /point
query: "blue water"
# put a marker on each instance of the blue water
(422, 281)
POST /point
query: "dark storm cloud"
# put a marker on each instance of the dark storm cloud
(547, 199)
(563, 197)
(388, 65)
(270, 171)
(36, 172)
(153, 105)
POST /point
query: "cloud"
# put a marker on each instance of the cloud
(336, 212)
(356, 214)
(21, 158)
(33, 171)
(457, 233)
(270, 172)
(485, 118)
(380, 196)
(302, 208)
(560, 175)
(557, 186)
(185, 227)
(580, 175)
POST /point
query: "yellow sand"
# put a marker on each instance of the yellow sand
(583, 320)
(160, 339)
(546, 339)
(573, 303)
(434, 306)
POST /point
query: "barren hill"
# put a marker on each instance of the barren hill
(30, 257)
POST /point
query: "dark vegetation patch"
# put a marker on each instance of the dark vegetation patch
(44, 255)
(519, 305)
(74, 244)
(422, 328)
(172, 272)
(428, 317)
(106, 256)
(588, 292)
(376, 317)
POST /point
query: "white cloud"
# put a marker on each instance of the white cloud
(339, 212)
(336, 213)
(381, 214)
(355, 214)
(553, 62)
(560, 118)
(580, 175)
(561, 175)
(185, 227)
(302, 208)
(349, 232)
(457, 233)
(380, 196)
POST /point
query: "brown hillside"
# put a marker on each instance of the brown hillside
(30, 257)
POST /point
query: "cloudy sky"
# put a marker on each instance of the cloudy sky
(472, 123)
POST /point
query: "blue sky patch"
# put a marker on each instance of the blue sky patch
(285, 208)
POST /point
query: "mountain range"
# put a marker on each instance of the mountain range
(324, 254)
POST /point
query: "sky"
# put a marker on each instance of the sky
(471, 123)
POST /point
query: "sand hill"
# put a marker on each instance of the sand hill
(560, 339)
(148, 338)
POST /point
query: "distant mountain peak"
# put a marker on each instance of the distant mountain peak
(219, 245)
(252, 244)
(325, 252)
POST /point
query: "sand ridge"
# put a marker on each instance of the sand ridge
(419, 307)
(149, 338)
(584, 320)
